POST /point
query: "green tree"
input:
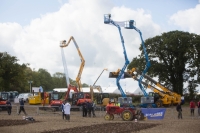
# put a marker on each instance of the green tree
(59, 80)
(12, 74)
(45, 79)
(170, 55)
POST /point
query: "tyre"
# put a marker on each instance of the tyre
(159, 103)
(111, 117)
(107, 117)
(127, 115)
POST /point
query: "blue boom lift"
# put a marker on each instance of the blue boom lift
(107, 20)
(146, 101)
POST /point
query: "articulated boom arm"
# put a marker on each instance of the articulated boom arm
(176, 96)
(148, 64)
(158, 84)
(129, 25)
(107, 20)
(78, 78)
(65, 67)
(130, 74)
(153, 88)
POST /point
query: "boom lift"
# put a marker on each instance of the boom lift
(108, 20)
(147, 98)
(78, 78)
(126, 109)
(120, 73)
(78, 98)
(102, 98)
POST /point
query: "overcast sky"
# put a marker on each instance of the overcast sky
(32, 31)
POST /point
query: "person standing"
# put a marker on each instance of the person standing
(67, 108)
(192, 107)
(21, 103)
(93, 109)
(179, 110)
(62, 109)
(198, 105)
(89, 106)
(9, 107)
(84, 106)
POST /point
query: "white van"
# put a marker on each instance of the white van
(25, 96)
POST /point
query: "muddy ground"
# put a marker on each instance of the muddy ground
(52, 122)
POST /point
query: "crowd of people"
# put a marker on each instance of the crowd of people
(192, 105)
(88, 108)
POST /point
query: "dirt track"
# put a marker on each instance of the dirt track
(49, 122)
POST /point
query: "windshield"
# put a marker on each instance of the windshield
(4, 96)
(80, 95)
(55, 96)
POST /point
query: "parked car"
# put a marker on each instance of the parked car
(25, 96)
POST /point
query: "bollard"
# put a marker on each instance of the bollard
(37, 110)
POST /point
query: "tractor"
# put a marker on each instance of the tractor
(125, 109)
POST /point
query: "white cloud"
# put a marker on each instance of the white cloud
(8, 36)
(188, 20)
(100, 44)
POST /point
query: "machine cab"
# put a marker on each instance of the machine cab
(80, 97)
(3, 96)
(101, 98)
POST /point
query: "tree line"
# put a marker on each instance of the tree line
(16, 77)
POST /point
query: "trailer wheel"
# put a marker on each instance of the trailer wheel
(127, 115)
(111, 117)
(107, 117)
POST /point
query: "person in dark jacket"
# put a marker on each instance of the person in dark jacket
(21, 103)
(179, 110)
(9, 107)
(84, 109)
